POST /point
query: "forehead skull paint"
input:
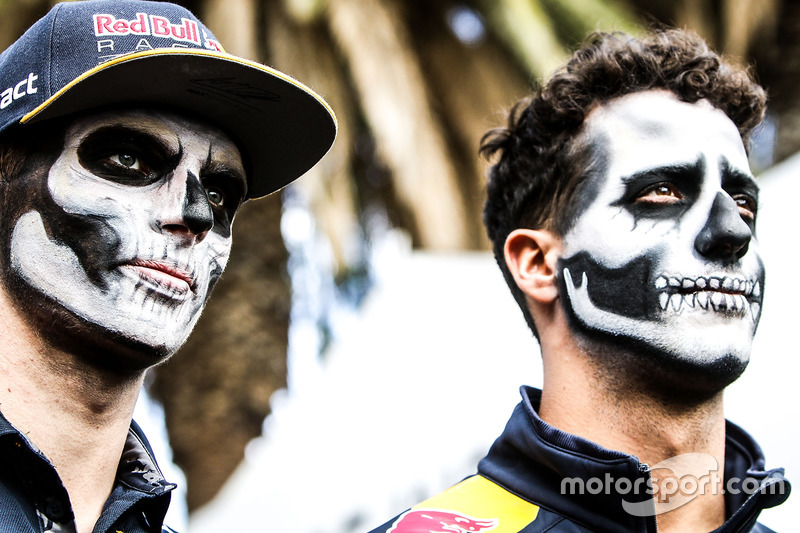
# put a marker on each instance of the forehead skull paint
(662, 255)
(133, 226)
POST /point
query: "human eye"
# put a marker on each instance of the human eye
(127, 164)
(225, 192)
(664, 193)
(216, 195)
(129, 161)
(748, 206)
(124, 156)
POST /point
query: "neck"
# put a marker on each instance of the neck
(618, 412)
(76, 414)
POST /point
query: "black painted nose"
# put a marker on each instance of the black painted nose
(725, 235)
(197, 214)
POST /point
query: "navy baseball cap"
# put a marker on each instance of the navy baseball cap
(92, 54)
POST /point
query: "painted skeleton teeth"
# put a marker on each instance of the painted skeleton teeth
(717, 300)
(676, 300)
(731, 294)
(702, 299)
(726, 284)
(741, 301)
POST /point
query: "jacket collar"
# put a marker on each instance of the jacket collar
(138, 477)
(138, 468)
(604, 489)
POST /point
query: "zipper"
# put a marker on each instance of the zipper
(650, 521)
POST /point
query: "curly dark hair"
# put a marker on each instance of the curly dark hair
(541, 164)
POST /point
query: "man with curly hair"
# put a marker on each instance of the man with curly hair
(622, 212)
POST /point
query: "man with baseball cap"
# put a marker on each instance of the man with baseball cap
(128, 140)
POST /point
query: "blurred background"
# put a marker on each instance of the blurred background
(362, 351)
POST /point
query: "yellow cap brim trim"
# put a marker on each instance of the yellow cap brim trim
(178, 52)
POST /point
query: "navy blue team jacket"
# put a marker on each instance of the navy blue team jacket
(34, 500)
(539, 479)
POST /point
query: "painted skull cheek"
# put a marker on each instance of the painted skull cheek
(640, 291)
(622, 291)
(215, 274)
(93, 240)
(698, 319)
(143, 310)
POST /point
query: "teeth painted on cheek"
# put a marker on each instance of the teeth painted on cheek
(664, 331)
(702, 300)
(717, 301)
(733, 295)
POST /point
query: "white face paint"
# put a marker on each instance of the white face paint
(662, 254)
(134, 227)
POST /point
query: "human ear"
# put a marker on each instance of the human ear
(531, 257)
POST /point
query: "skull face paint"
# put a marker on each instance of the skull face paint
(133, 225)
(661, 256)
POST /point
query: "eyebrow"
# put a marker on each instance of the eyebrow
(671, 171)
(734, 177)
(687, 176)
(218, 168)
(134, 135)
(221, 168)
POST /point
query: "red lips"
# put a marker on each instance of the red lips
(163, 273)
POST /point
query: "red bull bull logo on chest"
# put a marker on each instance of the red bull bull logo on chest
(441, 521)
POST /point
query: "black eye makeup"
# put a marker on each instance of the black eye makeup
(742, 187)
(225, 188)
(662, 192)
(126, 156)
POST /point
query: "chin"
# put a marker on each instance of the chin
(669, 373)
(690, 352)
(111, 352)
(87, 342)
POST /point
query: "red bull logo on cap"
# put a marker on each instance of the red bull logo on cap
(441, 521)
(109, 25)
